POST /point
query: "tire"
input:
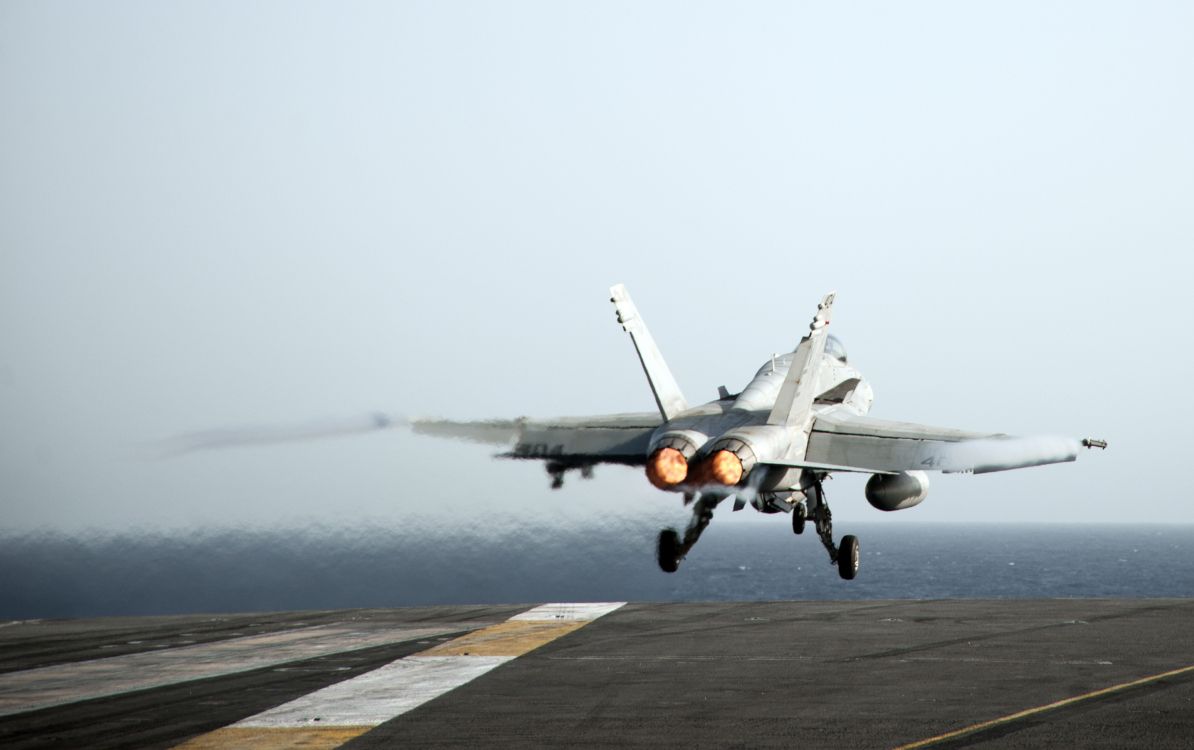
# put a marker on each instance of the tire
(848, 557)
(668, 551)
(799, 516)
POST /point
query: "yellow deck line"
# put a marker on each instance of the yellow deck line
(275, 738)
(510, 638)
(1042, 709)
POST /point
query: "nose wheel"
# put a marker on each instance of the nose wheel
(799, 518)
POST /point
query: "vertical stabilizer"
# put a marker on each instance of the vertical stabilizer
(667, 394)
(795, 400)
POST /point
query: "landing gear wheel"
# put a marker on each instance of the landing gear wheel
(669, 550)
(847, 557)
(799, 516)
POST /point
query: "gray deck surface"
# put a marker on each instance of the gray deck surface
(868, 674)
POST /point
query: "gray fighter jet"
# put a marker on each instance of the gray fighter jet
(802, 417)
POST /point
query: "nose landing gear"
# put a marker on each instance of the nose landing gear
(799, 517)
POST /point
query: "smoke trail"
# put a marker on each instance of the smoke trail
(262, 435)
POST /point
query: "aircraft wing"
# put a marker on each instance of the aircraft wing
(569, 441)
(843, 439)
(579, 441)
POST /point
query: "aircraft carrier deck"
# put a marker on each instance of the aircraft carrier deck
(1108, 673)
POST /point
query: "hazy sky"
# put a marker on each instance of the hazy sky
(228, 213)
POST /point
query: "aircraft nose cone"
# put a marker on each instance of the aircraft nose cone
(666, 468)
(725, 467)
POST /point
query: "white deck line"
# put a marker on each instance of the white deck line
(568, 612)
(33, 689)
(378, 696)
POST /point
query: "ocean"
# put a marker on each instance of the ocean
(53, 575)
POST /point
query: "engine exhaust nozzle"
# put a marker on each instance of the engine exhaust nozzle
(725, 468)
(666, 468)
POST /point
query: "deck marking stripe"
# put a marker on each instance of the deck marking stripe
(307, 738)
(43, 687)
(583, 612)
(376, 697)
(1042, 709)
(511, 638)
(356, 705)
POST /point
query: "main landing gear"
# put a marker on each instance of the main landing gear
(671, 549)
(844, 556)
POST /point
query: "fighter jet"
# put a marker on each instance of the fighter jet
(802, 417)
(771, 445)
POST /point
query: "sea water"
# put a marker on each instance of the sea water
(54, 575)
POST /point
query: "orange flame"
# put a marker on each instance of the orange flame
(666, 468)
(725, 467)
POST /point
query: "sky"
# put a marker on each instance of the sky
(219, 213)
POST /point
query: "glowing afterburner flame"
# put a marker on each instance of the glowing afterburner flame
(725, 468)
(666, 468)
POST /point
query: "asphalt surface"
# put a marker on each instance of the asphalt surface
(870, 674)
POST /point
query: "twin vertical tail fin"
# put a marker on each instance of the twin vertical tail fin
(794, 403)
(668, 397)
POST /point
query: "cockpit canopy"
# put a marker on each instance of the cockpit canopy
(781, 362)
(834, 348)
